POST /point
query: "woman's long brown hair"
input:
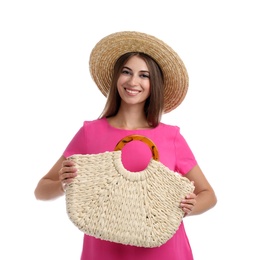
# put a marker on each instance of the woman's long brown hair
(154, 104)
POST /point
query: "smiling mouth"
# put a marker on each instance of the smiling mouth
(130, 91)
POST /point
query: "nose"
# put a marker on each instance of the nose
(133, 80)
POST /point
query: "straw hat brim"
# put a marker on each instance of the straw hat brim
(110, 48)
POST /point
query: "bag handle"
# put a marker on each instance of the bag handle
(142, 138)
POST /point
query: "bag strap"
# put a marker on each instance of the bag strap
(141, 138)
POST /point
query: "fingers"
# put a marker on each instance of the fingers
(67, 171)
(188, 203)
(68, 163)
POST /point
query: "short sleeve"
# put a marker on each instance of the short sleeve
(76, 145)
(185, 159)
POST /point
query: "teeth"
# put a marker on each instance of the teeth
(132, 91)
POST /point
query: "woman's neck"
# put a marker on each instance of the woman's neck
(129, 120)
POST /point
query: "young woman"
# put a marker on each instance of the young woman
(142, 78)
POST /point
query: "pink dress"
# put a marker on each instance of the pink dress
(98, 136)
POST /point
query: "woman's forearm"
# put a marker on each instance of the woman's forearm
(205, 201)
(48, 189)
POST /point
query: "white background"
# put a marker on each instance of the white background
(47, 93)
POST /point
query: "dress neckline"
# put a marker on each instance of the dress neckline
(122, 129)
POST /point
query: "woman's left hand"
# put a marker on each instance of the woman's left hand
(188, 203)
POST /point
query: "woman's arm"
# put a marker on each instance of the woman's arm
(51, 185)
(203, 198)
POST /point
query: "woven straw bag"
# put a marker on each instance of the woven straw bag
(107, 201)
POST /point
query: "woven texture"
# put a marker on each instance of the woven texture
(109, 202)
(111, 47)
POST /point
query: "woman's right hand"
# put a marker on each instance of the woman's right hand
(67, 173)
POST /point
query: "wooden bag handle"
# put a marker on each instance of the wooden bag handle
(141, 138)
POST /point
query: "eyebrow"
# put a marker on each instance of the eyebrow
(125, 67)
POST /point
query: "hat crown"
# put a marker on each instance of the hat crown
(110, 48)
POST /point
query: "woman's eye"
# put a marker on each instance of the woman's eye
(125, 72)
(145, 76)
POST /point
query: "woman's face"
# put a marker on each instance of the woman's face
(133, 83)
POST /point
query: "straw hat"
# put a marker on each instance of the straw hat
(110, 48)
